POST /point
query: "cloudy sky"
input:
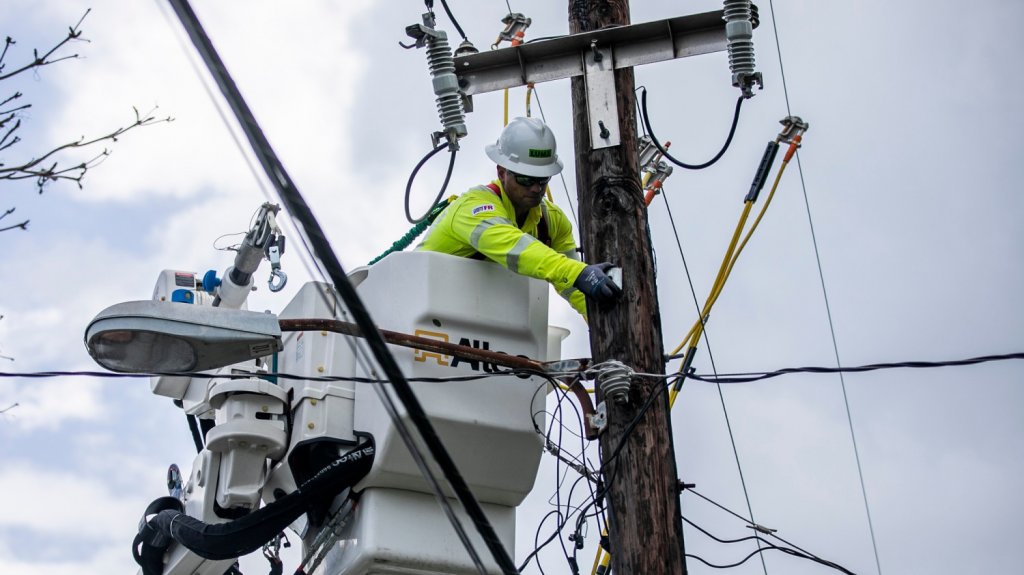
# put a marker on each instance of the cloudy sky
(910, 173)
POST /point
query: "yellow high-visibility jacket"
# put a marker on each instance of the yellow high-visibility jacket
(484, 222)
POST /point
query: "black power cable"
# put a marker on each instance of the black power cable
(748, 522)
(455, 22)
(748, 377)
(767, 546)
(680, 163)
(770, 547)
(724, 378)
(286, 376)
(298, 207)
(444, 186)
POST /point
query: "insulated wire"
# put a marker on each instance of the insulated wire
(749, 522)
(760, 529)
(828, 309)
(757, 376)
(721, 378)
(455, 22)
(444, 185)
(680, 163)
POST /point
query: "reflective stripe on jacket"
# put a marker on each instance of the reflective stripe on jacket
(481, 221)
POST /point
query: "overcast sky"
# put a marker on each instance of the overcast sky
(911, 171)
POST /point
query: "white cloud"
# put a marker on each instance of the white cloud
(86, 501)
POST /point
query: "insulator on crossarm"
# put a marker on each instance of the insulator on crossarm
(739, 37)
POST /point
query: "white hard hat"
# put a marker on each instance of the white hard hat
(526, 146)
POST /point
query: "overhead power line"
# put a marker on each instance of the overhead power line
(723, 378)
(757, 376)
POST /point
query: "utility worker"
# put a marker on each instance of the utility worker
(509, 221)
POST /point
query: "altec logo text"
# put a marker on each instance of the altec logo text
(455, 361)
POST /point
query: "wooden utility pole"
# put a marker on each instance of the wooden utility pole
(645, 527)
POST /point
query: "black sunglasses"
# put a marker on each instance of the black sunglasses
(527, 181)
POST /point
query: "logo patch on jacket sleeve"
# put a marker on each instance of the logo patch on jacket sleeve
(483, 208)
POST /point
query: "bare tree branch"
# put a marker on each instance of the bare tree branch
(44, 175)
(13, 97)
(74, 34)
(23, 225)
(47, 167)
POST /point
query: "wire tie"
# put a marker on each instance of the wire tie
(762, 529)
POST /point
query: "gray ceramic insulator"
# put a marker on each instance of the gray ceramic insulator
(446, 85)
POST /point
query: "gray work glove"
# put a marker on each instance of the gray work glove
(594, 283)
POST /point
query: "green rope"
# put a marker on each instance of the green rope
(414, 232)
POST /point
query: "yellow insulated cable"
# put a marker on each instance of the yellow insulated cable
(719, 279)
(753, 227)
(601, 558)
(760, 215)
(505, 117)
(597, 560)
(693, 336)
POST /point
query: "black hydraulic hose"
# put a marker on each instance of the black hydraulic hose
(444, 186)
(298, 207)
(218, 541)
(680, 163)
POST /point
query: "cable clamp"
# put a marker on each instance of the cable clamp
(515, 29)
(793, 127)
(648, 153)
(659, 174)
(762, 529)
(566, 366)
(651, 163)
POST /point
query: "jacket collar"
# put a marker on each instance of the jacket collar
(532, 217)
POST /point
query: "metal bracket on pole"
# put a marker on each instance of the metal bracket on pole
(598, 422)
(602, 106)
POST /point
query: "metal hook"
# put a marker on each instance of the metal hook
(279, 275)
(274, 255)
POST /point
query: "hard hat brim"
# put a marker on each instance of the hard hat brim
(546, 171)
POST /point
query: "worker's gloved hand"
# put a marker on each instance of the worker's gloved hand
(594, 283)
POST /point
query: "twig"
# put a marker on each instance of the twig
(74, 34)
(75, 173)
